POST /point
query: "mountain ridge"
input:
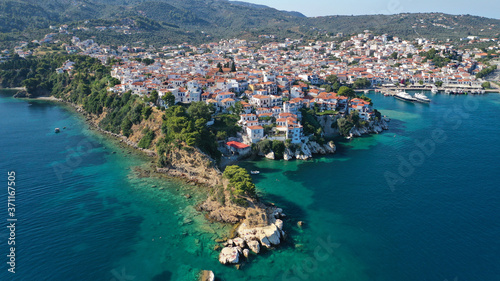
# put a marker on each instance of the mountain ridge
(174, 21)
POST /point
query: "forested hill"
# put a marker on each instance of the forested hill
(176, 21)
(428, 25)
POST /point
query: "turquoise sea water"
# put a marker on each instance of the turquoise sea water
(84, 214)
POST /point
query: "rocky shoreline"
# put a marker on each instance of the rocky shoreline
(252, 236)
(257, 224)
(304, 151)
(93, 123)
(374, 127)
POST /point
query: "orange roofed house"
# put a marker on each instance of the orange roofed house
(238, 148)
(255, 133)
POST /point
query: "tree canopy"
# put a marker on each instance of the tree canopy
(347, 92)
(239, 181)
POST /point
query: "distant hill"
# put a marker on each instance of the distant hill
(176, 21)
(429, 25)
(251, 5)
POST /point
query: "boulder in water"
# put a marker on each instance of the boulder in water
(229, 255)
(254, 246)
(246, 252)
(270, 155)
(207, 275)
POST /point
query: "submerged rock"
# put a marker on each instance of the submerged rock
(206, 275)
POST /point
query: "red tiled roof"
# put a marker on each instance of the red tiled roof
(237, 145)
(255, 127)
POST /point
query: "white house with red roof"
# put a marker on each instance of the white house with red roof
(255, 133)
(244, 118)
(363, 107)
(260, 100)
(227, 103)
(238, 148)
(292, 128)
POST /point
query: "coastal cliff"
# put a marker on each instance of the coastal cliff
(300, 151)
(373, 127)
(256, 223)
(193, 165)
(329, 123)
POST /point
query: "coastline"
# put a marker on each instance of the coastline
(268, 232)
(46, 99)
(340, 208)
(422, 88)
(90, 120)
(14, 89)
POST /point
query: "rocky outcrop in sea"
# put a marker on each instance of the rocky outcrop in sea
(373, 127)
(259, 229)
(306, 150)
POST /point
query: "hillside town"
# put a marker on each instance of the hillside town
(268, 85)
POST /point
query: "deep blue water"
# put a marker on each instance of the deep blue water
(84, 215)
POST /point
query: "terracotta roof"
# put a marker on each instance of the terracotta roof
(255, 127)
(237, 145)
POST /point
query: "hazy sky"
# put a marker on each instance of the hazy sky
(485, 8)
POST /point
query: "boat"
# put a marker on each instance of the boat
(254, 172)
(421, 97)
(57, 130)
(404, 96)
(434, 90)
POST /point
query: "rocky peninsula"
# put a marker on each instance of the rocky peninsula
(256, 224)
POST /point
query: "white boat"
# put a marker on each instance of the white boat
(404, 96)
(421, 97)
(434, 90)
(254, 172)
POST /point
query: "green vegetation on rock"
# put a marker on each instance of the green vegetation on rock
(240, 181)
